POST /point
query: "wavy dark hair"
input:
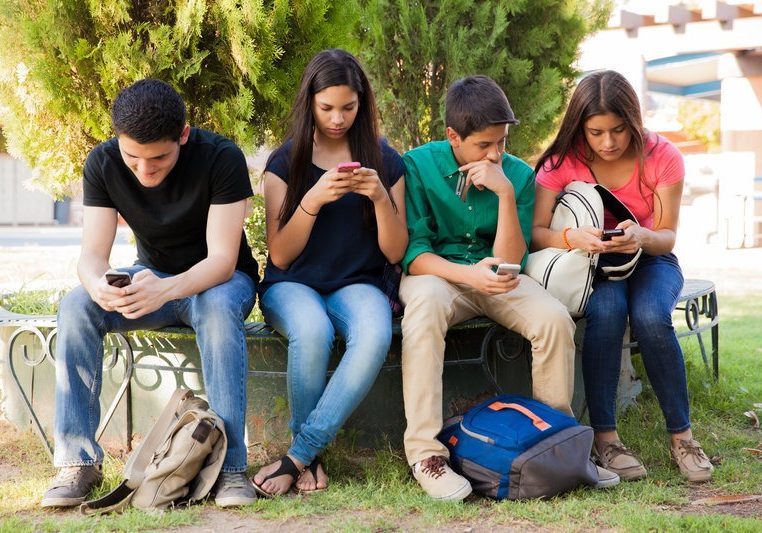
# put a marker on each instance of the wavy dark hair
(330, 68)
(601, 92)
(147, 111)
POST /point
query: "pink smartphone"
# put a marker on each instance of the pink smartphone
(348, 167)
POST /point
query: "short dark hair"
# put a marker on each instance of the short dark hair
(148, 111)
(474, 103)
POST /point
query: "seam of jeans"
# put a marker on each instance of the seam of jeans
(65, 464)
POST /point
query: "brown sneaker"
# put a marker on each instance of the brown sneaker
(690, 458)
(439, 481)
(614, 456)
(71, 486)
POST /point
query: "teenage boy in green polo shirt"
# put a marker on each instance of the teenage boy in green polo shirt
(469, 207)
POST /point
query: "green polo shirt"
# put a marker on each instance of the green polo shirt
(439, 222)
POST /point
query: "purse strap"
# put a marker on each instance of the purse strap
(135, 469)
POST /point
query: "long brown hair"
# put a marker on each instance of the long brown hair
(327, 69)
(601, 92)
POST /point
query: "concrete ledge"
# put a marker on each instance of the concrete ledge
(142, 369)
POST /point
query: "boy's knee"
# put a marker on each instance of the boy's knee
(76, 303)
(426, 291)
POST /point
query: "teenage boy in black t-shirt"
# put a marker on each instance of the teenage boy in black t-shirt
(183, 191)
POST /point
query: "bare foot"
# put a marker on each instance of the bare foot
(310, 481)
(278, 484)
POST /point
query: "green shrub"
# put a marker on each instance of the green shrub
(414, 50)
(236, 64)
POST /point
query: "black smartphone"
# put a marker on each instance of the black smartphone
(117, 278)
(608, 233)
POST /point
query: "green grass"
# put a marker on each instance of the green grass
(373, 491)
(39, 302)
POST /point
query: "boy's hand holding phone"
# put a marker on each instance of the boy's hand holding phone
(145, 294)
(484, 279)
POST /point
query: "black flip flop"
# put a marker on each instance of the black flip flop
(287, 466)
(313, 469)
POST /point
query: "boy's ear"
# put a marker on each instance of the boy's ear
(453, 137)
(185, 134)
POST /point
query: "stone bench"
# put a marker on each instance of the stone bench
(141, 369)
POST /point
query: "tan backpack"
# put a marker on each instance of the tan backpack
(176, 464)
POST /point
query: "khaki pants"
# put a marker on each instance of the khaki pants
(432, 305)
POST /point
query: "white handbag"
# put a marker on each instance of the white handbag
(569, 274)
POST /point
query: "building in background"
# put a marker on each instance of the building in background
(707, 52)
(19, 204)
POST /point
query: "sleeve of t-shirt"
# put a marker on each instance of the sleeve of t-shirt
(278, 163)
(394, 166)
(94, 193)
(230, 176)
(420, 224)
(670, 167)
(556, 179)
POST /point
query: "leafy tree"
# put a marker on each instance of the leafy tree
(414, 49)
(701, 120)
(235, 62)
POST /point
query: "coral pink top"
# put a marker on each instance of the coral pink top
(663, 166)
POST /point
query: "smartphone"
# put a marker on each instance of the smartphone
(117, 278)
(608, 233)
(508, 268)
(348, 166)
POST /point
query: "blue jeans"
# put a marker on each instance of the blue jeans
(216, 315)
(648, 297)
(360, 313)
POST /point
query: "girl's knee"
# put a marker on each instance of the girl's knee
(650, 320)
(314, 332)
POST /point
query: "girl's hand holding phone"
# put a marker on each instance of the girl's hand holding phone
(331, 186)
(366, 181)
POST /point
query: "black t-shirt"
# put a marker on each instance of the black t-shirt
(169, 221)
(342, 249)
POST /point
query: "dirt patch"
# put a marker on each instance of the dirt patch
(748, 509)
(215, 520)
(8, 472)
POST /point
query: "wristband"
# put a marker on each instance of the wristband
(303, 209)
(566, 239)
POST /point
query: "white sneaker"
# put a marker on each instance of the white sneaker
(439, 481)
(606, 478)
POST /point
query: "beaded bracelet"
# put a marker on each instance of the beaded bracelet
(566, 239)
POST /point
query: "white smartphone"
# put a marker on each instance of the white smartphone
(508, 268)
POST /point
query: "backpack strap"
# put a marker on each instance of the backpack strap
(134, 470)
(614, 205)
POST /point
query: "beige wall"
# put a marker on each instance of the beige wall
(741, 117)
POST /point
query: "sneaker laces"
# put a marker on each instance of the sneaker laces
(691, 447)
(434, 466)
(67, 476)
(614, 449)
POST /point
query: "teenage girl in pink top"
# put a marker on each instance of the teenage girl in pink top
(602, 139)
